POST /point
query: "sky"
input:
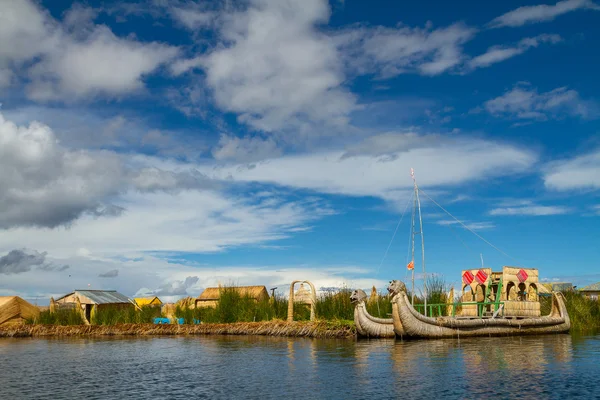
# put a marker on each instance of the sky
(162, 147)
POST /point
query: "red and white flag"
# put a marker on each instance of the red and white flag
(411, 265)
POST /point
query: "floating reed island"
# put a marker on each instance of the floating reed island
(308, 329)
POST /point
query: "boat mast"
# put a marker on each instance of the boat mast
(418, 203)
(412, 234)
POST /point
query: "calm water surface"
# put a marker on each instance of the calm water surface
(559, 366)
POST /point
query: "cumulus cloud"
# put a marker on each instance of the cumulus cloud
(525, 103)
(73, 61)
(496, 54)
(45, 184)
(580, 172)
(274, 68)
(176, 288)
(113, 273)
(19, 261)
(540, 13)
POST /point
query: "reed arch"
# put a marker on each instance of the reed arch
(532, 292)
(480, 293)
(313, 300)
(511, 291)
(522, 292)
(467, 295)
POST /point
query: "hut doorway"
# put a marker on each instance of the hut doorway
(88, 312)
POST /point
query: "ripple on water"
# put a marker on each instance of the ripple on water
(268, 367)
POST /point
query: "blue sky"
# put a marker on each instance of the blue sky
(166, 146)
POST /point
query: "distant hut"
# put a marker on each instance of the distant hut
(147, 301)
(210, 296)
(14, 310)
(592, 291)
(94, 300)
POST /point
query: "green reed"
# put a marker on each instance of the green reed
(112, 315)
(67, 316)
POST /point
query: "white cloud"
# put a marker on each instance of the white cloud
(497, 54)
(45, 184)
(79, 127)
(189, 221)
(87, 68)
(540, 13)
(530, 209)
(581, 172)
(523, 102)
(75, 60)
(247, 149)
(274, 68)
(147, 274)
(393, 51)
(367, 171)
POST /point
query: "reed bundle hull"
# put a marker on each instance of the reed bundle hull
(418, 326)
(369, 326)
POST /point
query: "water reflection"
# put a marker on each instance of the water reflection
(268, 367)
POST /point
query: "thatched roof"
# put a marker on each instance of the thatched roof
(147, 301)
(254, 292)
(591, 288)
(15, 309)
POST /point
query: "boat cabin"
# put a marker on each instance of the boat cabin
(513, 292)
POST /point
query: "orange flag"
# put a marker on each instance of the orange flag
(411, 265)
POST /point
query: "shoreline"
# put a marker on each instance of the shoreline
(318, 329)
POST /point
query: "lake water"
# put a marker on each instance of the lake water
(211, 367)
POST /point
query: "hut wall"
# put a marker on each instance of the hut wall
(522, 309)
(206, 303)
(467, 310)
(593, 295)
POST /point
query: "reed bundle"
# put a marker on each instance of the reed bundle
(318, 329)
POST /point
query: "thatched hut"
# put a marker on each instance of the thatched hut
(592, 291)
(93, 300)
(14, 310)
(558, 286)
(210, 296)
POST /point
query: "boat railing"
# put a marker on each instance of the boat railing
(441, 309)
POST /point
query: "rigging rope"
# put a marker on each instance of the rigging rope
(467, 228)
(395, 231)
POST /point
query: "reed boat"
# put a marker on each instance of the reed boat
(484, 318)
(366, 324)
(491, 303)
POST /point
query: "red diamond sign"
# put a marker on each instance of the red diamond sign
(468, 277)
(481, 276)
(522, 275)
